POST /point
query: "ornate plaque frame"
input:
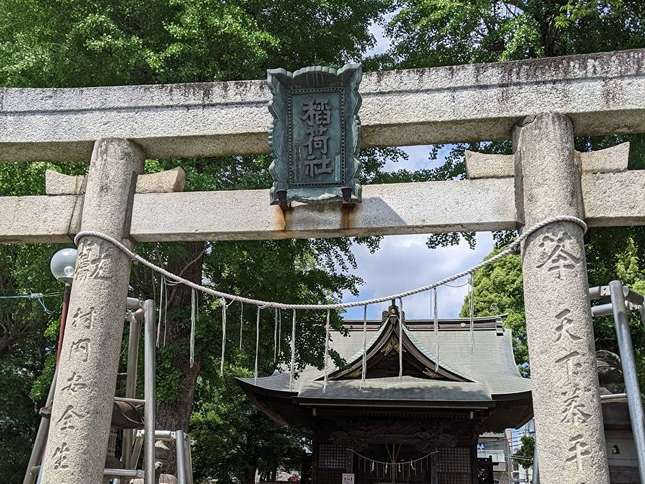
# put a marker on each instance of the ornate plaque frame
(336, 177)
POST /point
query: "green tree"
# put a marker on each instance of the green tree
(64, 43)
(429, 33)
(524, 456)
(498, 290)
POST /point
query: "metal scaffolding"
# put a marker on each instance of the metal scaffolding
(133, 440)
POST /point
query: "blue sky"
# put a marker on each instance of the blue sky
(404, 261)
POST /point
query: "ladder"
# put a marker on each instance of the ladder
(134, 440)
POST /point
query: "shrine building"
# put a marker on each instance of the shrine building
(421, 427)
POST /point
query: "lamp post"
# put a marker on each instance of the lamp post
(62, 268)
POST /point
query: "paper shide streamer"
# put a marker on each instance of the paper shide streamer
(194, 316)
(292, 365)
(401, 322)
(364, 363)
(435, 317)
(257, 343)
(241, 323)
(471, 311)
(326, 356)
(167, 277)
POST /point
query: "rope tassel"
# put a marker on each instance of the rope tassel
(471, 311)
(221, 364)
(364, 364)
(436, 328)
(193, 321)
(279, 332)
(401, 321)
(275, 336)
(257, 343)
(161, 295)
(292, 367)
(326, 350)
(241, 323)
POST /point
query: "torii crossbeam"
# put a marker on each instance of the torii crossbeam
(542, 104)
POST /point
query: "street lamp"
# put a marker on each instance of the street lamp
(62, 268)
(62, 265)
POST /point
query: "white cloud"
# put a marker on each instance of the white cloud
(404, 262)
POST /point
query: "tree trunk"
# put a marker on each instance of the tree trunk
(175, 414)
(548, 33)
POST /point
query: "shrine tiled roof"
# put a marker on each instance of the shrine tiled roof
(483, 361)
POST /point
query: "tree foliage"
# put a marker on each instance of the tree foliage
(429, 33)
(67, 43)
(526, 452)
(498, 290)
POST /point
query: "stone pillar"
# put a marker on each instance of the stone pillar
(566, 401)
(82, 411)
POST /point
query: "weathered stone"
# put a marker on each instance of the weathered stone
(161, 182)
(488, 165)
(566, 400)
(85, 385)
(610, 199)
(609, 160)
(602, 93)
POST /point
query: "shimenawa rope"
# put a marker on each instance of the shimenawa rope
(272, 304)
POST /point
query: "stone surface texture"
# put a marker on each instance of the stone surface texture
(610, 199)
(609, 160)
(82, 410)
(161, 182)
(602, 93)
(566, 401)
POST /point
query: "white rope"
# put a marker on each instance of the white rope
(326, 350)
(257, 344)
(241, 323)
(279, 332)
(272, 304)
(364, 363)
(275, 335)
(435, 316)
(406, 462)
(161, 294)
(193, 320)
(401, 338)
(292, 366)
(471, 311)
(221, 363)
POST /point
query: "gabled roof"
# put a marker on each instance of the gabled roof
(417, 359)
(475, 370)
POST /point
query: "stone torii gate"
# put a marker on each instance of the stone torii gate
(541, 104)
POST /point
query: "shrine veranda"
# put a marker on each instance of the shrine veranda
(540, 104)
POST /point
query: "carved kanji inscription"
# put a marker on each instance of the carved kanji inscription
(559, 253)
(80, 349)
(60, 456)
(83, 318)
(94, 261)
(573, 366)
(578, 450)
(574, 411)
(69, 419)
(74, 384)
(564, 326)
